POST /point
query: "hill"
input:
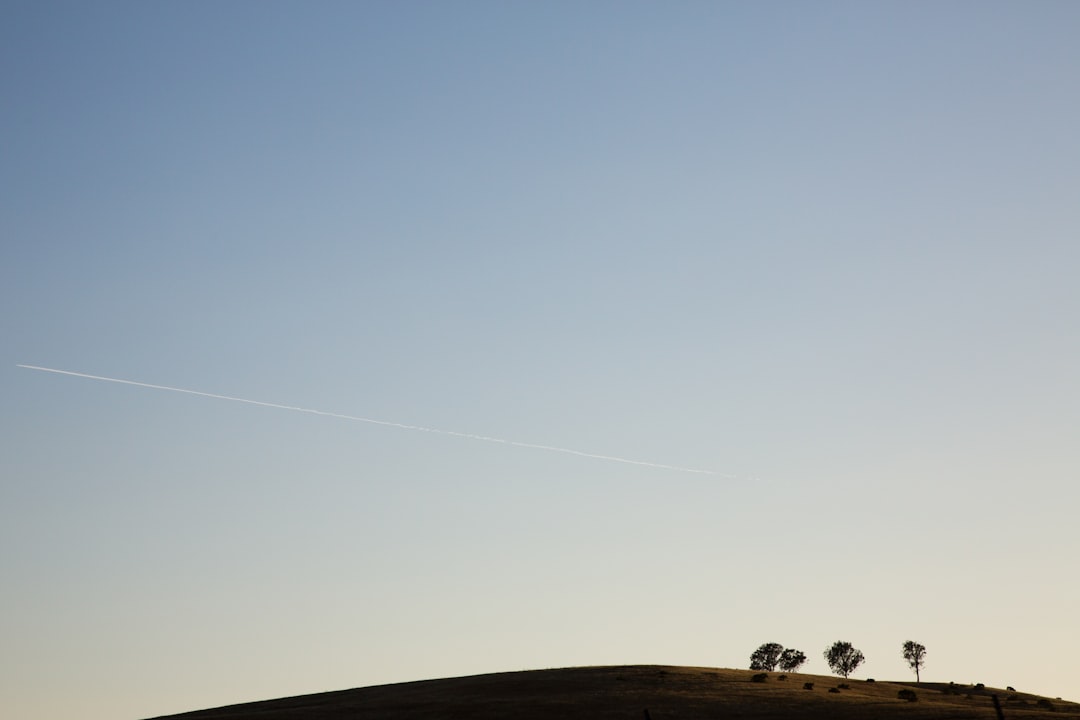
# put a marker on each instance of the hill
(686, 693)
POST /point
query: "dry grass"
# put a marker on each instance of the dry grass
(602, 693)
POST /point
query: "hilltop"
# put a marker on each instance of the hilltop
(625, 692)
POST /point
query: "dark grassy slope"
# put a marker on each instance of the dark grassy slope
(600, 693)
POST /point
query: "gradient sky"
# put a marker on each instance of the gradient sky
(830, 249)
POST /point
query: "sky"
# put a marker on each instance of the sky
(827, 251)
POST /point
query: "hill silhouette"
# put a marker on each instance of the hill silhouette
(626, 692)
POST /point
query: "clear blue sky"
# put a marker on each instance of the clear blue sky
(830, 249)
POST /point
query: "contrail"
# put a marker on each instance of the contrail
(403, 426)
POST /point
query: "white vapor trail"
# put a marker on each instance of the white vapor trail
(388, 423)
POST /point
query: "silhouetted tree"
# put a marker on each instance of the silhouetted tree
(843, 658)
(791, 660)
(766, 657)
(915, 654)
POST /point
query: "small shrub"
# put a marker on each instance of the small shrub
(1010, 688)
(834, 690)
(760, 677)
(808, 686)
(870, 680)
(908, 695)
(979, 686)
(1044, 703)
(781, 677)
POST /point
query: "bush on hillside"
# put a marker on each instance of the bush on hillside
(908, 695)
(808, 686)
(760, 677)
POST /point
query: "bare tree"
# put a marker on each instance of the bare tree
(843, 658)
(915, 654)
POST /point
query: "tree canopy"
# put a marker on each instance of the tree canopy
(843, 658)
(766, 657)
(915, 654)
(791, 659)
